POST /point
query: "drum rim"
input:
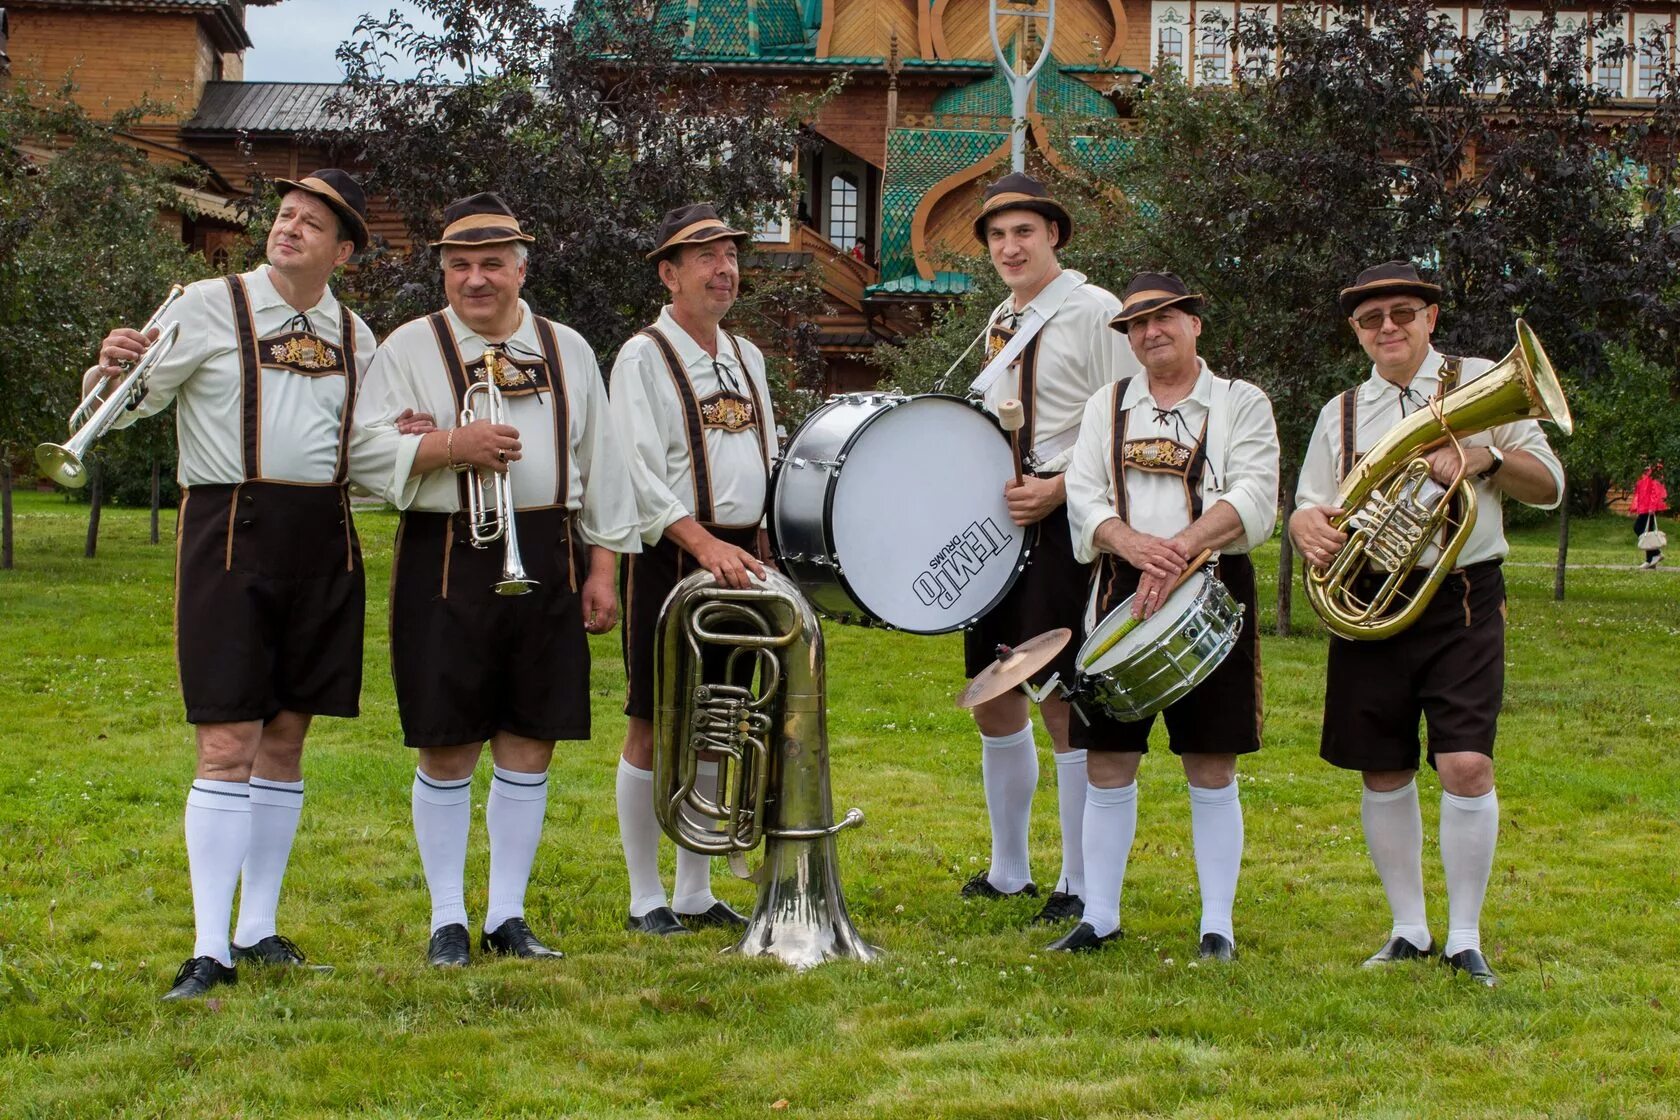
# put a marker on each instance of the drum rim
(866, 617)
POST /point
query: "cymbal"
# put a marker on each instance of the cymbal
(1014, 667)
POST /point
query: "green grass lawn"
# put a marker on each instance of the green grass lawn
(966, 1016)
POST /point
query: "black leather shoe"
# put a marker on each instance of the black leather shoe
(1398, 949)
(717, 914)
(1059, 907)
(450, 947)
(198, 976)
(513, 938)
(1216, 947)
(661, 920)
(277, 950)
(1083, 939)
(1474, 965)
(981, 887)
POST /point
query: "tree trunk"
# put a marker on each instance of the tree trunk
(96, 496)
(5, 512)
(157, 495)
(1563, 546)
(1286, 567)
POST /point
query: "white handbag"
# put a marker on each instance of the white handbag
(1653, 540)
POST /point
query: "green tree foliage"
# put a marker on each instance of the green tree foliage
(82, 250)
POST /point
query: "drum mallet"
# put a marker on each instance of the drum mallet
(1128, 625)
(1012, 416)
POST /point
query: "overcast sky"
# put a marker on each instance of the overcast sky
(296, 40)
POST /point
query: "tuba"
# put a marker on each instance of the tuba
(771, 743)
(1394, 512)
(490, 499)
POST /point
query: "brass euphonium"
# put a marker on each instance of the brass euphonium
(490, 499)
(771, 743)
(1394, 512)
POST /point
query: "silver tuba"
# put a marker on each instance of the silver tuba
(490, 499)
(772, 748)
(65, 463)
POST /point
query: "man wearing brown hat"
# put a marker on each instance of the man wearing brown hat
(1449, 667)
(1069, 354)
(694, 402)
(480, 649)
(269, 589)
(1169, 465)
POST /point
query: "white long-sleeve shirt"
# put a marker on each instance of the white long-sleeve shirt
(1381, 405)
(648, 409)
(1245, 477)
(408, 371)
(300, 414)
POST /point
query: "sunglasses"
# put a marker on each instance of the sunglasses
(1401, 316)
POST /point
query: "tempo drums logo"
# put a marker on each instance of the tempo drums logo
(955, 565)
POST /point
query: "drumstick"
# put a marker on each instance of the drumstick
(1130, 623)
(1012, 416)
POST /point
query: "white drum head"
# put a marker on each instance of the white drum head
(1147, 632)
(919, 524)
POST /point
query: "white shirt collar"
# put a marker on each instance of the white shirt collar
(264, 295)
(1202, 392)
(689, 350)
(524, 336)
(1053, 295)
(1423, 382)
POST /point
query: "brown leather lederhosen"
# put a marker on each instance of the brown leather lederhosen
(269, 582)
(646, 579)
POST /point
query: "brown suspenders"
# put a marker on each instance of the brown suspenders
(1452, 367)
(704, 510)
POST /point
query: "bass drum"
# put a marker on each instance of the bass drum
(888, 510)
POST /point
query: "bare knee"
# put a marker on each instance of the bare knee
(521, 755)
(1210, 771)
(638, 744)
(1112, 769)
(1387, 781)
(280, 752)
(1002, 715)
(227, 750)
(450, 764)
(1055, 712)
(1465, 773)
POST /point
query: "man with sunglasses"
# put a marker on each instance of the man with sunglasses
(693, 400)
(1449, 667)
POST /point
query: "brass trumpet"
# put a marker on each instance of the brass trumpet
(772, 746)
(65, 463)
(1395, 512)
(490, 513)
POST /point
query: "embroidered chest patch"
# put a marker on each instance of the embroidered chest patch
(729, 411)
(1158, 454)
(307, 354)
(516, 377)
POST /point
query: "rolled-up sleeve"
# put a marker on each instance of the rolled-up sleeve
(610, 517)
(1251, 465)
(639, 412)
(192, 346)
(1090, 491)
(1527, 435)
(381, 458)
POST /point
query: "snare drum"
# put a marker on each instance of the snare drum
(888, 510)
(1165, 655)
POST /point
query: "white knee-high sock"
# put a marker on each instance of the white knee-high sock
(275, 808)
(514, 818)
(1110, 828)
(1394, 835)
(442, 815)
(691, 891)
(1070, 801)
(1009, 769)
(218, 828)
(638, 829)
(1469, 832)
(1216, 825)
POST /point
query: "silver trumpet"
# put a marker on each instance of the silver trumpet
(65, 462)
(490, 494)
(771, 744)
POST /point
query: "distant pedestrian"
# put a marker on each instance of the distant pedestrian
(1650, 497)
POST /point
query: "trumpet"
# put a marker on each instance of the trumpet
(490, 500)
(65, 462)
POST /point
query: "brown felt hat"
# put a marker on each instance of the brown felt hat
(339, 190)
(1151, 291)
(480, 219)
(1391, 278)
(692, 225)
(1020, 191)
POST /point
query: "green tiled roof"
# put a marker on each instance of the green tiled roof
(942, 284)
(1056, 94)
(746, 30)
(917, 159)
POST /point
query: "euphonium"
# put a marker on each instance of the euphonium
(65, 462)
(772, 749)
(490, 514)
(1394, 512)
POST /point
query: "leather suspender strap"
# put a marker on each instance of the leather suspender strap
(1029, 402)
(250, 369)
(1193, 472)
(1350, 432)
(458, 380)
(562, 410)
(1118, 467)
(691, 419)
(347, 343)
(760, 416)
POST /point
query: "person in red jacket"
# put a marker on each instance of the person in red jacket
(1650, 497)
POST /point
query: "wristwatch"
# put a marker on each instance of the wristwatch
(1498, 461)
